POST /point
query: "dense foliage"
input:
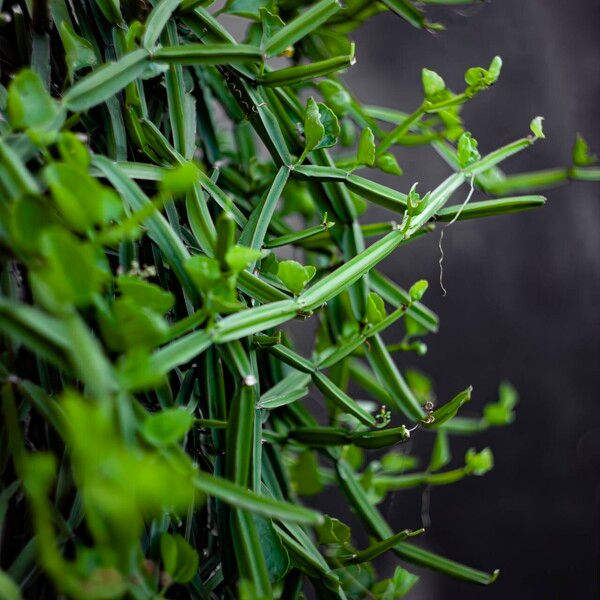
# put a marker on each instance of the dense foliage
(156, 180)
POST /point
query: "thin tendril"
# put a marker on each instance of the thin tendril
(440, 262)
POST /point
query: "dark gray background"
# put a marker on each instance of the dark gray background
(522, 297)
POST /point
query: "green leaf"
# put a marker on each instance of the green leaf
(365, 154)
(271, 24)
(397, 586)
(305, 475)
(375, 308)
(73, 150)
(179, 559)
(277, 558)
(166, 427)
(418, 289)
(479, 463)
(79, 52)
(81, 200)
(388, 164)
(179, 180)
(537, 128)
(433, 84)
(239, 257)
(204, 271)
(333, 531)
(294, 275)
(330, 125)
(61, 280)
(336, 96)
(581, 155)
(145, 293)
(28, 103)
(494, 69)
(313, 128)
(131, 325)
(467, 152)
(501, 413)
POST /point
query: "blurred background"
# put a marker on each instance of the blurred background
(522, 300)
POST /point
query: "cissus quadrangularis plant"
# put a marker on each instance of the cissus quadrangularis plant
(156, 176)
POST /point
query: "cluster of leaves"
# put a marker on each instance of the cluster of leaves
(155, 177)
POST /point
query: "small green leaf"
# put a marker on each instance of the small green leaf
(433, 84)
(388, 164)
(294, 275)
(61, 279)
(239, 257)
(82, 201)
(145, 293)
(73, 150)
(418, 289)
(420, 384)
(494, 69)
(204, 272)
(365, 154)
(467, 152)
(79, 52)
(271, 24)
(166, 427)
(336, 96)
(29, 104)
(581, 153)
(501, 412)
(333, 531)
(397, 586)
(313, 128)
(537, 128)
(331, 127)
(131, 325)
(277, 559)
(375, 308)
(479, 463)
(305, 474)
(179, 559)
(180, 180)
